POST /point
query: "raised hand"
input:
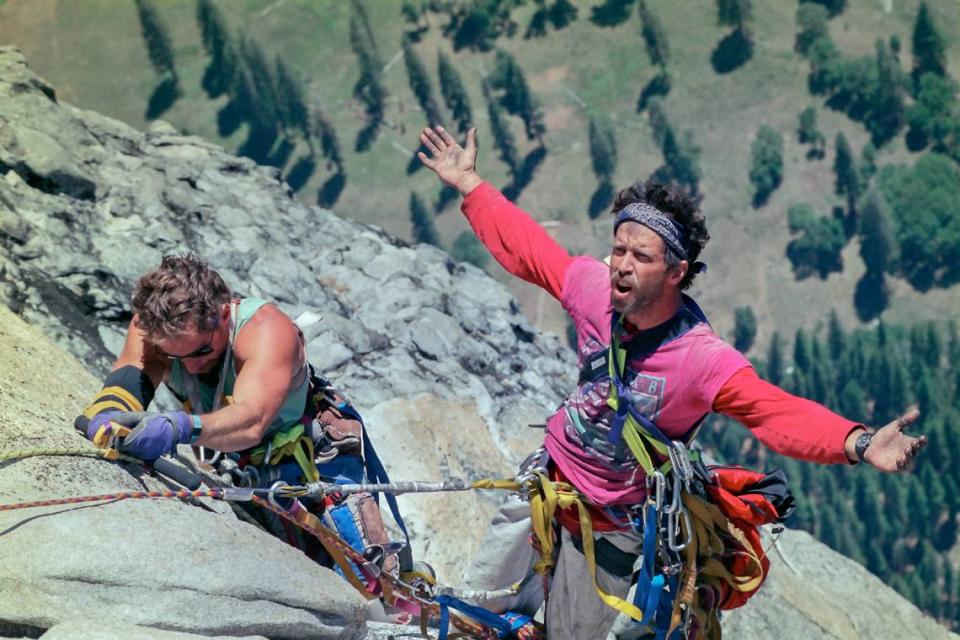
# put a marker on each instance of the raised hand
(891, 449)
(455, 165)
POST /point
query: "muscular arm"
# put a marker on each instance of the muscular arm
(789, 425)
(269, 352)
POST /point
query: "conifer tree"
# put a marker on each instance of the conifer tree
(421, 220)
(454, 93)
(157, 38)
(734, 13)
(836, 337)
(929, 50)
(682, 157)
(321, 127)
(369, 88)
(420, 83)
(744, 328)
(845, 168)
(887, 111)
(809, 133)
(766, 163)
(517, 98)
(802, 356)
(878, 243)
(500, 130)
(654, 36)
(291, 103)
(262, 85)
(603, 148)
(775, 359)
(219, 45)
(868, 164)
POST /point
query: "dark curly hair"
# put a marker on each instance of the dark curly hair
(182, 292)
(680, 207)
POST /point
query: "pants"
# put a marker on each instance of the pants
(574, 611)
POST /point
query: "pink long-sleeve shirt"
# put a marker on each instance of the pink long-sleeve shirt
(676, 385)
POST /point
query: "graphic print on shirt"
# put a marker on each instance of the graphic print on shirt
(590, 417)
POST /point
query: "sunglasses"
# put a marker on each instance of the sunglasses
(205, 350)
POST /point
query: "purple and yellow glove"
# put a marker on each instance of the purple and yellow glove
(97, 421)
(156, 434)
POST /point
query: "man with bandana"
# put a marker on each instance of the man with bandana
(678, 371)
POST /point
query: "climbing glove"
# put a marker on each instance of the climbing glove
(156, 434)
(98, 421)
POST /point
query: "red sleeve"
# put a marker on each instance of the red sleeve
(789, 425)
(515, 239)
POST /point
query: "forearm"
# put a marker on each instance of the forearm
(515, 239)
(789, 425)
(234, 428)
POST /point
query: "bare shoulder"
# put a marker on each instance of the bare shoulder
(270, 334)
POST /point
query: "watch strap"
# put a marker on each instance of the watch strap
(862, 442)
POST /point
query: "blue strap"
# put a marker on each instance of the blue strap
(481, 615)
(374, 468)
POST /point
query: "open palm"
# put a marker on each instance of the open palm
(455, 165)
(891, 449)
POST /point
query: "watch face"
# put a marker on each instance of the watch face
(860, 446)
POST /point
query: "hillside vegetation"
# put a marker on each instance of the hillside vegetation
(822, 137)
(589, 68)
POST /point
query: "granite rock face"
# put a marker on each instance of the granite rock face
(163, 564)
(434, 353)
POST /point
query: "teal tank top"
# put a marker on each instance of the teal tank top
(188, 387)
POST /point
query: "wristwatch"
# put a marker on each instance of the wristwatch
(862, 442)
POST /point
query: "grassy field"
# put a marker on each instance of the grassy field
(93, 53)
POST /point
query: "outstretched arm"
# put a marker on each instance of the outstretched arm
(804, 429)
(515, 239)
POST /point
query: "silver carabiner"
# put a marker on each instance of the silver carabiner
(673, 529)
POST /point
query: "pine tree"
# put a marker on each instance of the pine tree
(454, 93)
(845, 168)
(802, 356)
(734, 13)
(262, 85)
(157, 38)
(682, 157)
(603, 148)
(766, 163)
(836, 337)
(659, 125)
(887, 111)
(868, 164)
(291, 102)
(421, 220)
(420, 83)
(654, 36)
(500, 130)
(517, 98)
(744, 328)
(369, 88)
(219, 45)
(929, 54)
(321, 127)
(878, 243)
(775, 359)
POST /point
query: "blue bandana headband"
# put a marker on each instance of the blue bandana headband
(671, 231)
